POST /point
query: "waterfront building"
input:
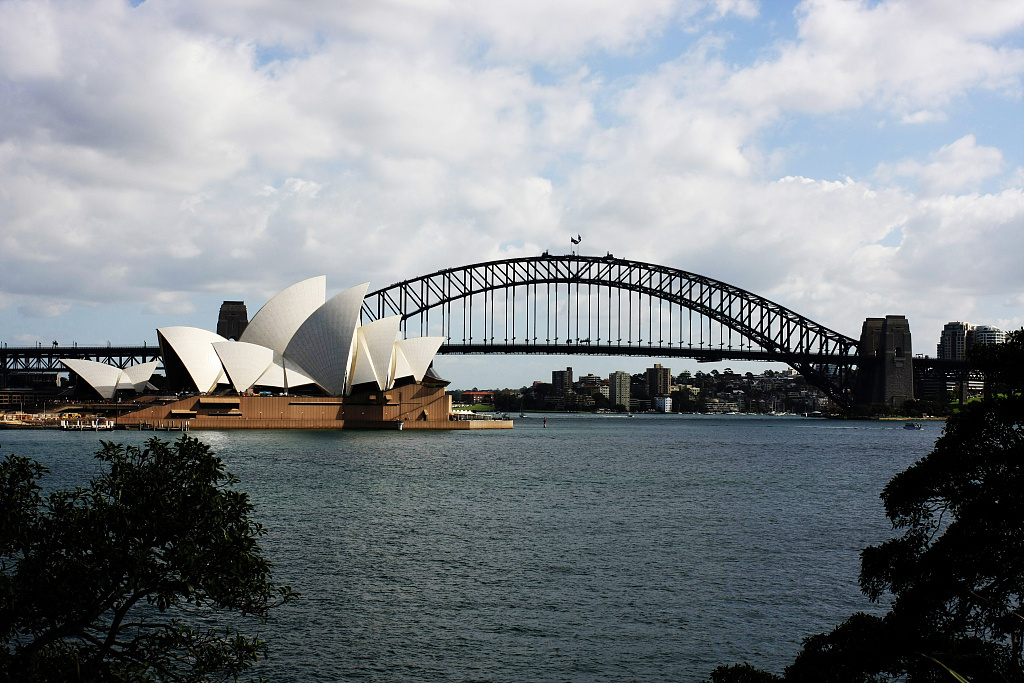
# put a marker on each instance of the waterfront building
(571, 401)
(739, 397)
(953, 341)
(985, 334)
(662, 404)
(957, 337)
(638, 386)
(561, 381)
(480, 397)
(592, 385)
(659, 381)
(717, 405)
(618, 388)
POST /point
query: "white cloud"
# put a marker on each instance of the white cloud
(39, 307)
(974, 241)
(903, 56)
(171, 303)
(29, 45)
(924, 116)
(743, 8)
(504, 30)
(303, 188)
(960, 166)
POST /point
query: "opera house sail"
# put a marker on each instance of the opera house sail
(106, 380)
(322, 344)
(303, 361)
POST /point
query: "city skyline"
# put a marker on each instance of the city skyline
(844, 159)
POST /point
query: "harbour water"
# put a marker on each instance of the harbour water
(597, 548)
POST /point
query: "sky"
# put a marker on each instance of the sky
(845, 159)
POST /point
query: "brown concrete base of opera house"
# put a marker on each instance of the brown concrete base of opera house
(413, 406)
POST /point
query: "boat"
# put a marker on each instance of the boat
(913, 425)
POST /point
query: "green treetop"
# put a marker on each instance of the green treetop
(124, 579)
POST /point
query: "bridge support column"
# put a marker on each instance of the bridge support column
(885, 367)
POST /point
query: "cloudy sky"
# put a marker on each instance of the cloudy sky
(845, 159)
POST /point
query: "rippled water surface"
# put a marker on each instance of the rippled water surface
(595, 549)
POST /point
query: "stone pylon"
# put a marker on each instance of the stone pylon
(885, 370)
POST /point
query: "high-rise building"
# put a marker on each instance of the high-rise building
(233, 319)
(659, 381)
(953, 342)
(958, 337)
(561, 381)
(618, 388)
(985, 334)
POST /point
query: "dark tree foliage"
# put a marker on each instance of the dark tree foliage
(955, 574)
(1003, 364)
(741, 673)
(857, 650)
(130, 577)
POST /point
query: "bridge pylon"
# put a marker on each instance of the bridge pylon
(885, 365)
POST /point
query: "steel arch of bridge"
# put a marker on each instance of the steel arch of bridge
(545, 294)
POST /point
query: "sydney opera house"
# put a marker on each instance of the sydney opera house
(303, 361)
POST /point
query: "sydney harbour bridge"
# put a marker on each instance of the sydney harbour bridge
(602, 305)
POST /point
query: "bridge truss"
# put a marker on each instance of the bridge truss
(572, 304)
(28, 360)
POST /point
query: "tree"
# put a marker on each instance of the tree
(144, 574)
(955, 574)
(741, 673)
(1003, 364)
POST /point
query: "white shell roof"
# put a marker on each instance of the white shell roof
(362, 366)
(275, 375)
(274, 325)
(374, 349)
(100, 376)
(194, 347)
(107, 379)
(244, 362)
(138, 375)
(322, 345)
(400, 365)
(416, 354)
